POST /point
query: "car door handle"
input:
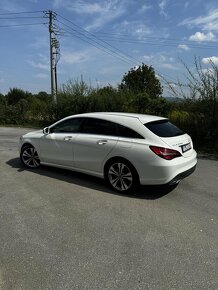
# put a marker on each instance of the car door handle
(67, 138)
(101, 142)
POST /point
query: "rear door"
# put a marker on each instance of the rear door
(92, 145)
(172, 136)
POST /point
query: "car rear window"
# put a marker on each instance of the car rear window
(164, 128)
(127, 132)
(104, 127)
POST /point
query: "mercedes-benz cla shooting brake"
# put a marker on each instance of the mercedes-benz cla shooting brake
(125, 149)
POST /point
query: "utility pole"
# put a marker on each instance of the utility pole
(54, 96)
(54, 53)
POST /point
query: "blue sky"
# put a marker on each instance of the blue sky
(120, 34)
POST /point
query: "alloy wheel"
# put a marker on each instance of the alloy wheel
(30, 157)
(120, 176)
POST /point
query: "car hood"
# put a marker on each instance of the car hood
(33, 134)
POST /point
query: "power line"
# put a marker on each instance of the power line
(22, 12)
(82, 34)
(173, 45)
(161, 75)
(24, 24)
(150, 37)
(158, 44)
(22, 17)
(96, 44)
(95, 41)
(130, 58)
(117, 51)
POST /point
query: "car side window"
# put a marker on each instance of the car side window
(67, 126)
(99, 127)
(127, 132)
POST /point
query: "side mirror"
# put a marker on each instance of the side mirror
(46, 130)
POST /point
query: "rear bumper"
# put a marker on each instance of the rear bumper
(182, 175)
(161, 171)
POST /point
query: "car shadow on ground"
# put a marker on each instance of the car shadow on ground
(151, 192)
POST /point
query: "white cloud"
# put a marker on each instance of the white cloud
(148, 58)
(207, 60)
(10, 6)
(183, 47)
(169, 66)
(135, 51)
(144, 8)
(173, 85)
(42, 64)
(58, 3)
(83, 7)
(186, 4)
(41, 76)
(208, 22)
(107, 12)
(39, 65)
(141, 31)
(133, 28)
(208, 71)
(90, 8)
(102, 12)
(161, 60)
(74, 57)
(40, 42)
(162, 5)
(200, 36)
(43, 58)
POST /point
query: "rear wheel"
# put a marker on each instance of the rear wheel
(30, 157)
(121, 176)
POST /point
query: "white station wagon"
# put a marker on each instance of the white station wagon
(125, 149)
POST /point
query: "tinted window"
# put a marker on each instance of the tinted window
(99, 127)
(67, 126)
(127, 132)
(164, 129)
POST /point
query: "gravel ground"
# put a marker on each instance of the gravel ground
(64, 230)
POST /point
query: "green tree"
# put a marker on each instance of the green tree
(141, 80)
(3, 105)
(44, 97)
(105, 99)
(2, 100)
(15, 95)
(75, 87)
(200, 94)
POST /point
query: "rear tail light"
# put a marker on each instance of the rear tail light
(165, 153)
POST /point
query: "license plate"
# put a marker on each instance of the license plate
(186, 147)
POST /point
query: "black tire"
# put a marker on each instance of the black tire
(121, 176)
(29, 157)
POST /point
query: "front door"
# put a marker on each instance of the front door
(57, 146)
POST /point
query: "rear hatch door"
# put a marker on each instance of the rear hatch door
(182, 143)
(174, 137)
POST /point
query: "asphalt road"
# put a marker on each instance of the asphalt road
(64, 230)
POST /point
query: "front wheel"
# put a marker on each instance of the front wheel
(122, 176)
(29, 157)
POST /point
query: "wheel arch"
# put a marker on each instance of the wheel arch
(28, 143)
(25, 145)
